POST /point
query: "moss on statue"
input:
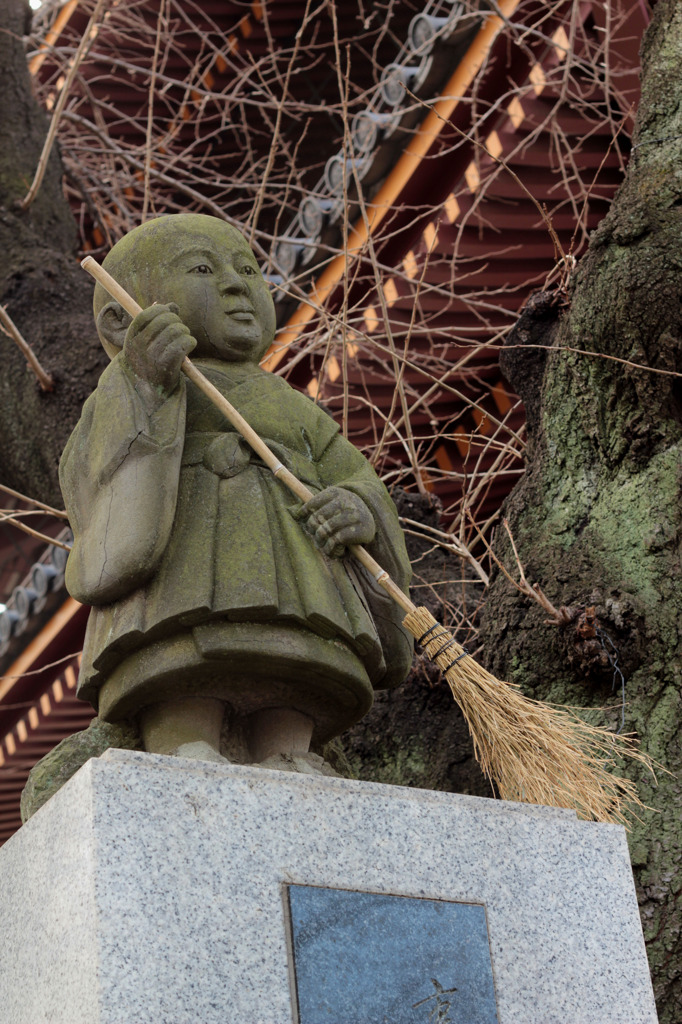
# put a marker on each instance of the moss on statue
(57, 767)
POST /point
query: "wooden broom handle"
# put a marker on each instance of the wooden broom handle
(239, 423)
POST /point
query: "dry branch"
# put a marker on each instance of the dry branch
(13, 518)
(33, 501)
(83, 47)
(9, 328)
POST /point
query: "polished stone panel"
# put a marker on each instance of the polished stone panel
(367, 958)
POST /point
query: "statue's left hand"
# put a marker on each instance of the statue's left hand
(336, 518)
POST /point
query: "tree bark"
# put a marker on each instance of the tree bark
(46, 294)
(597, 518)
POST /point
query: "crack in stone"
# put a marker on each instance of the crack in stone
(111, 502)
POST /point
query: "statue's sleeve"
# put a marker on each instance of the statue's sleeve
(119, 475)
(342, 465)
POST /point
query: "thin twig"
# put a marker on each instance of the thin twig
(33, 501)
(36, 672)
(13, 521)
(558, 616)
(9, 328)
(83, 47)
(449, 543)
(150, 112)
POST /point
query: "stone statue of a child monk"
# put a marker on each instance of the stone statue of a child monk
(216, 596)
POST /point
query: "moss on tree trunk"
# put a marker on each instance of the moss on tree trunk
(598, 516)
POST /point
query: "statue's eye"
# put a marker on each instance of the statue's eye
(202, 268)
(248, 270)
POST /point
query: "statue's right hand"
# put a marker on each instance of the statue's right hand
(155, 345)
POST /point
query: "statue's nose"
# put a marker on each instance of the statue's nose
(231, 281)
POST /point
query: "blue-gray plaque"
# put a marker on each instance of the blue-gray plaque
(367, 958)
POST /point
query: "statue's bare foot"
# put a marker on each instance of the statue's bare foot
(305, 764)
(199, 750)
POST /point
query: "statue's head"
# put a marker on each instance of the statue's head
(207, 268)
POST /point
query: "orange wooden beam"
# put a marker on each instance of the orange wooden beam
(28, 657)
(52, 36)
(421, 142)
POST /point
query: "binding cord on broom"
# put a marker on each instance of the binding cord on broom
(438, 632)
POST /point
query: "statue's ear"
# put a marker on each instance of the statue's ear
(112, 324)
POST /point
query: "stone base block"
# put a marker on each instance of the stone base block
(154, 890)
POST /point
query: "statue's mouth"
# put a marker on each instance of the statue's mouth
(242, 313)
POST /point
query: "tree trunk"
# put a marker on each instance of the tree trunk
(46, 294)
(597, 518)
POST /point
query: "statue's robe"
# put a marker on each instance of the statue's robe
(200, 577)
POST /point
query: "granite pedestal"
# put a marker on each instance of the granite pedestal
(156, 890)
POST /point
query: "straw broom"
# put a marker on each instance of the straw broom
(531, 751)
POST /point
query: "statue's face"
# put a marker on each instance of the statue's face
(213, 277)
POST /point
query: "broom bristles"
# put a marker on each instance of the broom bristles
(532, 752)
